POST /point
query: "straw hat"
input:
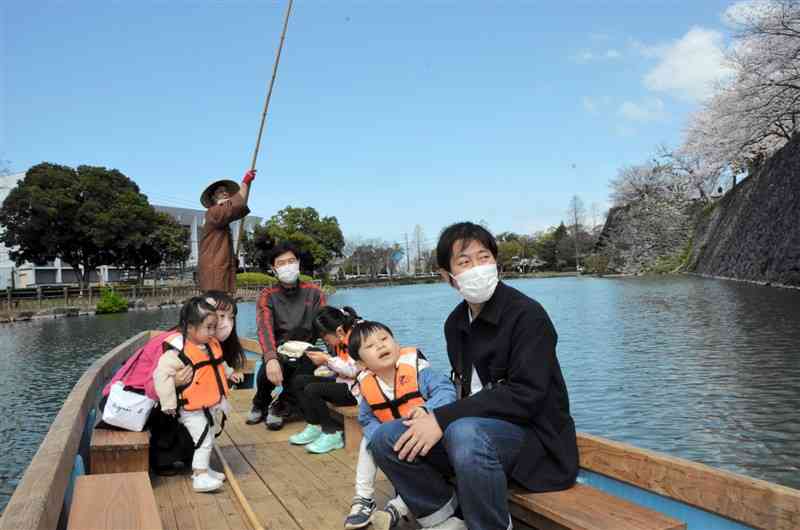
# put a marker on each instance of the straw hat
(207, 198)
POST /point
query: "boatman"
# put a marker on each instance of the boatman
(226, 202)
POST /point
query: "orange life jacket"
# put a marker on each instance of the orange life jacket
(341, 348)
(209, 384)
(406, 389)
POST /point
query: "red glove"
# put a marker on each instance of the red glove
(249, 176)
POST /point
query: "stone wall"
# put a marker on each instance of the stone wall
(753, 232)
(641, 234)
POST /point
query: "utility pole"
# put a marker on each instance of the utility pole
(408, 258)
(418, 237)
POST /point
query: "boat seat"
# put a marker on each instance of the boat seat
(352, 429)
(122, 501)
(583, 507)
(118, 451)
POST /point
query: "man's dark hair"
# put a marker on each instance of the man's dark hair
(282, 248)
(466, 232)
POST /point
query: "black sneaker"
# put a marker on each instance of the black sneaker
(360, 513)
(256, 416)
(274, 422)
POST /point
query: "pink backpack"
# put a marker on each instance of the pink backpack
(137, 372)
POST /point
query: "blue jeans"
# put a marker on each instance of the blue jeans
(480, 452)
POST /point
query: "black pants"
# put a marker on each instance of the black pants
(290, 370)
(313, 392)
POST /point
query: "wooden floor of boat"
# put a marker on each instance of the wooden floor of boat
(287, 488)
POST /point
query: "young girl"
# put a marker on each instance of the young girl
(201, 405)
(321, 434)
(232, 351)
(397, 383)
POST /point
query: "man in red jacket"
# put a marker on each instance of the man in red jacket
(512, 421)
(283, 312)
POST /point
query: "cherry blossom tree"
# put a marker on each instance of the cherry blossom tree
(756, 112)
(693, 170)
(648, 181)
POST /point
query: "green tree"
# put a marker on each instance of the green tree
(166, 242)
(548, 245)
(319, 239)
(87, 217)
(507, 236)
(507, 251)
(111, 302)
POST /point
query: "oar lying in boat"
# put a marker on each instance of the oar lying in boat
(248, 511)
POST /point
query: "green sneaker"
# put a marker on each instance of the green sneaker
(306, 436)
(326, 443)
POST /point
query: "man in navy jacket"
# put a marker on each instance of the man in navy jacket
(512, 421)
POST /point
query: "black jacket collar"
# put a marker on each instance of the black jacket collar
(491, 310)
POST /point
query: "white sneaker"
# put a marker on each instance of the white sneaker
(205, 483)
(453, 523)
(217, 475)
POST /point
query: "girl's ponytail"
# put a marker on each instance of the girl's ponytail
(329, 318)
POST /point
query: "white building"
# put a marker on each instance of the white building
(7, 183)
(194, 220)
(56, 272)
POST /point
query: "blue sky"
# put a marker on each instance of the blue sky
(385, 114)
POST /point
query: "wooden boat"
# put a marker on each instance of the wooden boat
(287, 488)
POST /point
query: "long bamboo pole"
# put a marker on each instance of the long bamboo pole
(248, 511)
(264, 117)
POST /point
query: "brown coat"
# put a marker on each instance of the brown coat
(216, 268)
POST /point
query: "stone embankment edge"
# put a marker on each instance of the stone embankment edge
(760, 283)
(15, 320)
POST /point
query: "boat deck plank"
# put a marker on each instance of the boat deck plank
(286, 487)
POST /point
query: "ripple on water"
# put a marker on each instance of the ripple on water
(703, 369)
(40, 361)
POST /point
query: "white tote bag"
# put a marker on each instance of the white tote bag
(126, 409)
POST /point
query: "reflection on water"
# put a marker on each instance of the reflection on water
(703, 369)
(40, 361)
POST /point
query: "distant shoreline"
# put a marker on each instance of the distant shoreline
(406, 280)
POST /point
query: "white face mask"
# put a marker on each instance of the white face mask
(477, 284)
(288, 273)
(224, 328)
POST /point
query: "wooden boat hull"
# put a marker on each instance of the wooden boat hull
(703, 497)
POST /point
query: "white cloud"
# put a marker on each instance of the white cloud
(595, 103)
(690, 66)
(648, 50)
(587, 56)
(645, 111)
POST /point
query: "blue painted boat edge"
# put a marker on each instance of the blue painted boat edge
(695, 518)
(250, 380)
